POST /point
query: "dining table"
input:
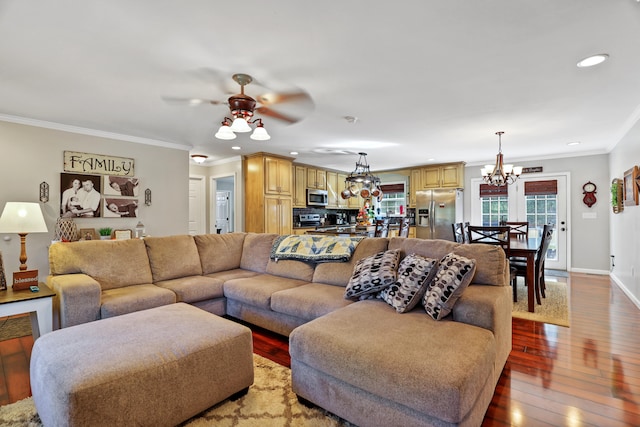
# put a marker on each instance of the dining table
(520, 247)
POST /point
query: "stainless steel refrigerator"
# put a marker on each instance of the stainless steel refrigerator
(436, 210)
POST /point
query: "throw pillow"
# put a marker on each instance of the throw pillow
(454, 274)
(372, 274)
(414, 275)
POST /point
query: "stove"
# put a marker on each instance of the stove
(309, 220)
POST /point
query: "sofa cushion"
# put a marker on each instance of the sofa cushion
(257, 290)
(309, 301)
(453, 276)
(255, 251)
(430, 248)
(236, 273)
(292, 269)
(373, 273)
(112, 263)
(491, 268)
(171, 257)
(339, 273)
(438, 368)
(414, 275)
(192, 289)
(115, 302)
(219, 252)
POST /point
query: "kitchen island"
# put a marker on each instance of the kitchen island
(345, 230)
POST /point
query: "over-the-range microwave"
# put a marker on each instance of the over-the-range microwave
(317, 197)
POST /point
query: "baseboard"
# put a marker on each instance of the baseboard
(624, 289)
(590, 271)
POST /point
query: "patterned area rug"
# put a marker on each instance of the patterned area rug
(554, 308)
(269, 402)
(14, 327)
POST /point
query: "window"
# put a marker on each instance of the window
(393, 196)
(541, 203)
(494, 206)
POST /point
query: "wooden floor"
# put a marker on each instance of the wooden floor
(585, 375)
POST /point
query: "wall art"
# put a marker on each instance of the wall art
(630, 187)
(80, 195)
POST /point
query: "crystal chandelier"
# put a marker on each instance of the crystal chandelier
(500, 174)
(361, 182)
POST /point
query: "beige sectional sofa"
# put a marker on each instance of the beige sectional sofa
(358, 359)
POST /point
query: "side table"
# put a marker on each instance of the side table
(39, 305)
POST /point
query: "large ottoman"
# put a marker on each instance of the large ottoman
(155, 367)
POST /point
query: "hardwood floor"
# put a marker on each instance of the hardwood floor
(585, 375)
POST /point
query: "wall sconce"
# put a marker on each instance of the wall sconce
(147, 197)
(44, 192)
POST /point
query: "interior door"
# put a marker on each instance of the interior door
(222, 211)
(197, 211)
(540, 209)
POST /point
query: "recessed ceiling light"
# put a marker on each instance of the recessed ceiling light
(235, 147)
(294, 153)
(573, 143)
(592, 60)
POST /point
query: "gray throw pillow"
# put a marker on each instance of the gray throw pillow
(414, 275)
(454, 274)
(373, 273)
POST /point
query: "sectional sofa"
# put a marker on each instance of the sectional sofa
(358, 358)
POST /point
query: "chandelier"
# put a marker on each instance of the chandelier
(500, 174)
(361, 182)
(242, 107)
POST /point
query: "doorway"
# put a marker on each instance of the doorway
(197, 205)
(222, 213)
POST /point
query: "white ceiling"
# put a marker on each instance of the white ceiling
(427, 79)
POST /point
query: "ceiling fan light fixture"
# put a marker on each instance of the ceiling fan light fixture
(240, 125)
(260, 133)
(225, 132)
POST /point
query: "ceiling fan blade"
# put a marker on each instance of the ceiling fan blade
(272, 98)
(191, 101)
(268, 112)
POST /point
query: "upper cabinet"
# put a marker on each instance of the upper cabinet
(299, 186)
(277, 175)
(333, 189)
(316, 178)
(443, 176)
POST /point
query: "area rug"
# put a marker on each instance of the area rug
(269, 402)
(554, 308)
(14, 327)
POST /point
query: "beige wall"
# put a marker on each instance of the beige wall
(30, 155)
(625, 226)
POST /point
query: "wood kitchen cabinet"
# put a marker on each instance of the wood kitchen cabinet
(333, 190)
(316, 178)
(443, 176)
(415, 184)
(299, 186)
(267, 191)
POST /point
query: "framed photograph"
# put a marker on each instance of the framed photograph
(120, 207)
(630, 187)
(3, 278)
(121, 234)
(120, 186)
(88, 234)
(80, 195)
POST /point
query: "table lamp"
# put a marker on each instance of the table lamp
(23, 218)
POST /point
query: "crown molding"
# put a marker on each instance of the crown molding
(91, 132)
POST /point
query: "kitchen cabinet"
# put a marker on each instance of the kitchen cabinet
(342, 203)
(443, 176)
(412, 232)
(278, 214)
(299, 186)
(277, 175)
(333, 190)
(316, 178)
(267, 192)
(301, 231)
(415, 184)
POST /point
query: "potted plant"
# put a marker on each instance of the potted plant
(105, 233)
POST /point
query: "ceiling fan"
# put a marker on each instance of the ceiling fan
(242, 108)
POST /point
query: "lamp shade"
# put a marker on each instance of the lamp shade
(22, 217)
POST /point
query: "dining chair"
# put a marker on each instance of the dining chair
(519, 229)
(382, 228)
(404, 227)
(541, 255)
(458, 232)
(492, 235)
(465, 233)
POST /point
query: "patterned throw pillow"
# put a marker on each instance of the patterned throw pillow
(372, 274)
(414, 275)
(454, 274)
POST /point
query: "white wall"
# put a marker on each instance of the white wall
(30, 155)
(589, 237)
(625, 226)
